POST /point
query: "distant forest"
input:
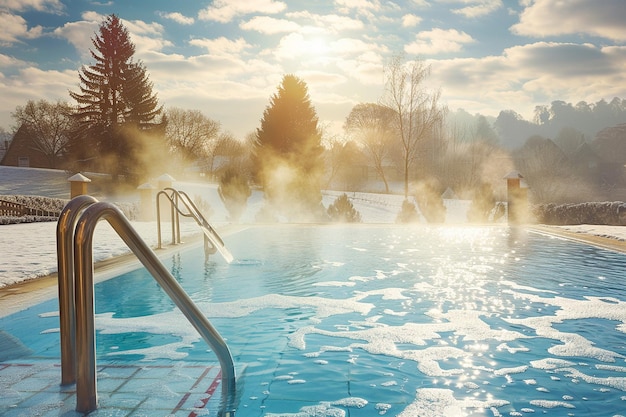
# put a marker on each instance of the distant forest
(582, 119)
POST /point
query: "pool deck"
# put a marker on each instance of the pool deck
(606, 242)
(33, 389)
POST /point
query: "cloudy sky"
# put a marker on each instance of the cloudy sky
(227, 57)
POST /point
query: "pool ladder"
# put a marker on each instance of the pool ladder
(179, 200)
(75, 231)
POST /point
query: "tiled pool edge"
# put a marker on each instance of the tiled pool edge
(123, 390)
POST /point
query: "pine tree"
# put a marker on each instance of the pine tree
(288, 154)
(115, 102)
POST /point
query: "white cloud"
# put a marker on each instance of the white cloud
(438, 41)
(79, 34)
(410, 20)
(15, 27)
(365, 7)
(478, 8)
(269, 25)
(48, 6)
(225, 10)
(330, 22)
(31, 83)
(178, 18)
(145, 36)
(140, 27)
(293, 46)
(366, 68)
(7, 61)
(327, 80)
(532, 74)
(352, 46)
(551, 17)
(222, 45)
(91, 16)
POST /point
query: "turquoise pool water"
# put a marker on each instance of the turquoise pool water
(367, 320)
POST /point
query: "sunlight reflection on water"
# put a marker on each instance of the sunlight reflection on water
(399, 320)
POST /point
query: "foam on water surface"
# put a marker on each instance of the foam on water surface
(450, 325)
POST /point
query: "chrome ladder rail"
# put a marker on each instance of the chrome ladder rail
(65, 264)
(78, 359)
(175, 197)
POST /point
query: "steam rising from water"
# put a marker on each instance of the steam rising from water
(292, 187)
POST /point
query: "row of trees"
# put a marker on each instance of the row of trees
(118, 126)
(288, 149)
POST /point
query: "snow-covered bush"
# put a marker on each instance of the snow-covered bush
(52, 206)
(130, 210)
(605, 213)
(37, 209)
(342, 210)
(37, 202)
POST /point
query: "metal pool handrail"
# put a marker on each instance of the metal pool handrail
(86, 390)
(65, 264)
(175, 198)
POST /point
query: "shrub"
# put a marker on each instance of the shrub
(342, 210)
(408, 213)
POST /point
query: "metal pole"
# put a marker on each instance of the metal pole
(158, 209)
(65, 262)
(173, 211)
(86, 383)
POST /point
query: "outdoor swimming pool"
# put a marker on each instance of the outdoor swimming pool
(372, 320)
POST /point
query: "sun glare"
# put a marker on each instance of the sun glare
(317, 47)
(314, 48)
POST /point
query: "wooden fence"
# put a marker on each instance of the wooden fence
(10, 209)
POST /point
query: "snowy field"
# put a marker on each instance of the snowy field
(28, 250)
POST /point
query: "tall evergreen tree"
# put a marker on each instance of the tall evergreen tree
(115, 103)
(288, 152)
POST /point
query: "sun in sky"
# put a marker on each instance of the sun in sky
(225, 58)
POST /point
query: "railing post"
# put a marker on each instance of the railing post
(86, 382)
(173, 213)
(65, 264)
(158, 219)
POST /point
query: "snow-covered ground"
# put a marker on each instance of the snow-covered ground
(28, 250)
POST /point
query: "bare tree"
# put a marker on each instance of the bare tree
(190, 134)
(417, 110)
(50, 125)
(344, 165)
(233, 155)
(371, 125)
(547, 170)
